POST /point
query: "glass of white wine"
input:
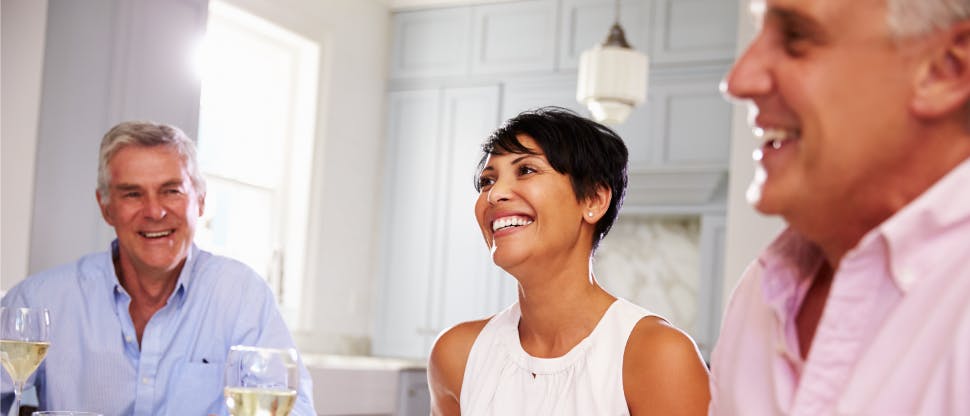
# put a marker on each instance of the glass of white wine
(24, 341)
(261, 381)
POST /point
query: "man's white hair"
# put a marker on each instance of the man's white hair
(915, 17)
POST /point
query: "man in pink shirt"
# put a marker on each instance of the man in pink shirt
(862, 306)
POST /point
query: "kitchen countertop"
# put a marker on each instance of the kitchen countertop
(362, 385)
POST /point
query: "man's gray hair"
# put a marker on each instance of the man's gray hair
(916, 17)
(146, 134)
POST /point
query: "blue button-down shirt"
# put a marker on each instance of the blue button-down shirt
(94, 362)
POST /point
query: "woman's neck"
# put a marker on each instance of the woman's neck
(559, 310)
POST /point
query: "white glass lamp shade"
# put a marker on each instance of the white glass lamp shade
(612, 80)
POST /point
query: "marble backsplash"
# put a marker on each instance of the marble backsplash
(655, 263)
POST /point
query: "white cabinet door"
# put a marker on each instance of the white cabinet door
(469, 286)
(435, 268)
(410, 211)
(514, 37)
(586, 23)
(430, 43)
(686, 31)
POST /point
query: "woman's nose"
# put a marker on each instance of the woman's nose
(500, 191)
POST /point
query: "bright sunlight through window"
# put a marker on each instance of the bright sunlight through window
(256, 128)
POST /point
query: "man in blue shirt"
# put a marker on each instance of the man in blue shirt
(144, 328)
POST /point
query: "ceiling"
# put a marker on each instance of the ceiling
(414, 4)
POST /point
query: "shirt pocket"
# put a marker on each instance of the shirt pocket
(197, 389)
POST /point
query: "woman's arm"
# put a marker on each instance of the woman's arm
(663, 372)
(446, 366)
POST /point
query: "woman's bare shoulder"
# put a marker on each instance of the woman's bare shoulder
(663, 371)
(446, 365)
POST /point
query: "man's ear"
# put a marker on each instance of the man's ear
(597, 204)
(201, 204)
(943, 84)
(103, 206)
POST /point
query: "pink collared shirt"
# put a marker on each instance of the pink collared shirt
(894, 338)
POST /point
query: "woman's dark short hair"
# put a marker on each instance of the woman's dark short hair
(591, 154)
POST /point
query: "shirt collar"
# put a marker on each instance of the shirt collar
(907, 232)
(788, 262)
(181, 286)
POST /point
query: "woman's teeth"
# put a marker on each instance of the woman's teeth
(506, 222)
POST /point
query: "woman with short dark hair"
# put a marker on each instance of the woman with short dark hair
(550, 185)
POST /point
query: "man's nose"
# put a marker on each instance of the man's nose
(750, 76)
(154, 209)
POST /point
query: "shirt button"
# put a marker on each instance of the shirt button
(907, 277)
(146, 380)
(128, 338)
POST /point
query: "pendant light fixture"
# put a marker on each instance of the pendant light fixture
(612, 77)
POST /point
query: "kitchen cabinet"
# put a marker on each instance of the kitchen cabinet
(693, 31)
(458, 72)
(514, 37)
(435, 268)
(585, 23)
(430, 43)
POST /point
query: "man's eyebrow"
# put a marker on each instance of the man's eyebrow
(126, 186)
(172, 182)
(793, 19)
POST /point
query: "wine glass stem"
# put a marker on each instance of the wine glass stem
(18, 389)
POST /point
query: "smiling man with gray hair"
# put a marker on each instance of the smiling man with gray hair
(860, 306)
(144, 328)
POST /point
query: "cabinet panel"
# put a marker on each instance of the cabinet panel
(436, 270)
(410, 209)
(694, 30)
(430, 43)
(464, 285)
(585, 23)
(561, 91)
(514, 37)
(691, 121)
(713, 228)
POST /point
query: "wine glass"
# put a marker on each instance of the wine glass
(23, 345)
(261, 381)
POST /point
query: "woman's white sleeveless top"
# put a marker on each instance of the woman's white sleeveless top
(502, 379)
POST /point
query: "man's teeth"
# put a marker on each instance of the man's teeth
(510, 222)
(156, 234)
(774, 137)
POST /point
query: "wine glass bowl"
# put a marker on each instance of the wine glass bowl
(261, 381)
(24, 340)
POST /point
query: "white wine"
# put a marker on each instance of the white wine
(21, 358)
(247, 401)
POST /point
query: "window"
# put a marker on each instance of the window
(256, 128)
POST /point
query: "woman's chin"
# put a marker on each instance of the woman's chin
(506, 259)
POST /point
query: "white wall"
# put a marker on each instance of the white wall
(747, 231)
(339, 291)
(104, 61)
(23, 29)
(87, 86)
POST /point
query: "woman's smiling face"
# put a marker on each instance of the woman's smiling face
(526, 209)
